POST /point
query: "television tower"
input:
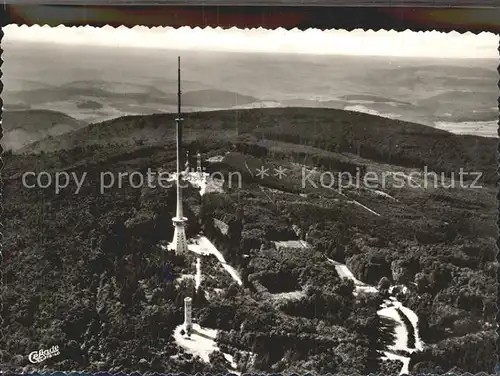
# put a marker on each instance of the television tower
(179, 243)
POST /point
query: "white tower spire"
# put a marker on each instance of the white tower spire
(179, 243)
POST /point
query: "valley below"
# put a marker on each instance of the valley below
(457, 95)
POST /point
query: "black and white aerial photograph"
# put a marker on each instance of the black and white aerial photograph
(248, 201)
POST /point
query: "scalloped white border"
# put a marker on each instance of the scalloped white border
(219, 28)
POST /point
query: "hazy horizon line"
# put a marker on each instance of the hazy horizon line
(294, 53)
(316, 42)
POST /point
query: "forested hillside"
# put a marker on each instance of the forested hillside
(87, 271)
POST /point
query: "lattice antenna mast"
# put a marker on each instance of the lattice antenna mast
(179, 101)
(178, 121)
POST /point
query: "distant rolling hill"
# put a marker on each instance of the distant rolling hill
(377, 138)
(118, 94)
(90, 105)
(96, 101)
(212, 98)
(462, 105)
(372, 98)
(22, 127)
(81, 90)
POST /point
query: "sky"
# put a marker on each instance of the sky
(313, 41)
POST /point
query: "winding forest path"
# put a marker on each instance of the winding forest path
(391, 308)
(202, 246)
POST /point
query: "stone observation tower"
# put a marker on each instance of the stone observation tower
(186, 164)
(188, 324)
(198, 165)
(179, 243)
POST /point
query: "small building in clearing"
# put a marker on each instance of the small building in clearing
(290, 244)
